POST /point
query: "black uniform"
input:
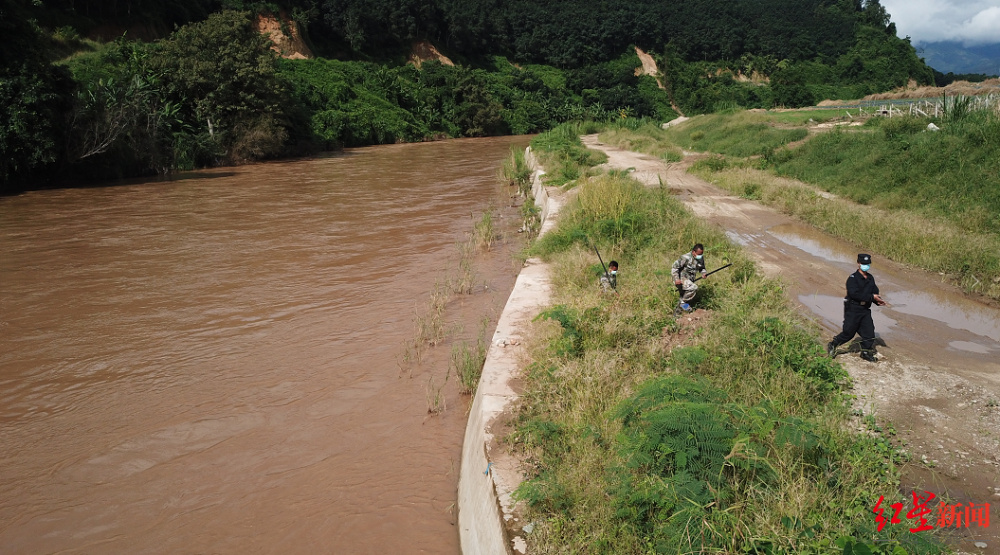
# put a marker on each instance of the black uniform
(858, 311)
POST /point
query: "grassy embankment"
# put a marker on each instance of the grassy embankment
(563, 156)
(927, 199)
(648, 436)
(745, 134)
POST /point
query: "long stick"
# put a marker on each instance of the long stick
(712, 272)
(606, 273)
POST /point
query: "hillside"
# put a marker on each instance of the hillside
(953, 57)
(213, 91)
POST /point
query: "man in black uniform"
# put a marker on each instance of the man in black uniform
(861, 293)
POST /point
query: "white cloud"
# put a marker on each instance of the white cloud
(970, 22)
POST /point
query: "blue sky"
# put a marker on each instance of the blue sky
(970, 22)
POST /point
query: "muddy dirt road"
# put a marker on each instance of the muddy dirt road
(938, 379)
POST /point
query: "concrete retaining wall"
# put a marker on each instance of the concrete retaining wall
(488, 476)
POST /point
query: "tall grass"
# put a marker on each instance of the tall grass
(484, 232)
(741, 134)
(902, 235)
(953, 173)
(467, 360)
(437, 402)
(735, 441)
(514, 171)
(562, 154)
(648, 139)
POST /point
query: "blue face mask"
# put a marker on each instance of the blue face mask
(614, 272)
(698, 256)
(866, 267)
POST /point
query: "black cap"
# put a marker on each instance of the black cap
(864, 259)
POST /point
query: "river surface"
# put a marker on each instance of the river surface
(211, 364)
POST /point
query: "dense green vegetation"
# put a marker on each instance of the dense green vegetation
(32, 98)
(945, 79)
(565, 158)
(953, 174)
(650, 434)
(741, 135)
(358, 103)
(210, 92)
(810, 49)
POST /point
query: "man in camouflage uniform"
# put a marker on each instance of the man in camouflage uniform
(684, 271)
(609, 279)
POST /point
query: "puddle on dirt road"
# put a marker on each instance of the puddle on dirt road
(967, 316)
(969, 346)
(831, 309)
(954, 310)
(951, 309)
(814, 242)
(742, 239)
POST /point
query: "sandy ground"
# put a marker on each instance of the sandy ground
(938, 379)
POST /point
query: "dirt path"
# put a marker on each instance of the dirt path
(938, 380)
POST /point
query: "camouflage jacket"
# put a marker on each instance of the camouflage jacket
(687, 267)
(608, 282)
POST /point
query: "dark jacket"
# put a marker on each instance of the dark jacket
(861, 290)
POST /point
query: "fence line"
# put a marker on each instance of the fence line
(927, 107)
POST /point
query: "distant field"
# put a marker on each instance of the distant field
(741, 134)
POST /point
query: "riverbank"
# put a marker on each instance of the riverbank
(604, 376)
(489, 475)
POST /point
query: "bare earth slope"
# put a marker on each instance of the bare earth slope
(938, 380)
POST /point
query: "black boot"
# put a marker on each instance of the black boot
(831, 349)
(869, 356)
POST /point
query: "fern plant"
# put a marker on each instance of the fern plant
(685, 453)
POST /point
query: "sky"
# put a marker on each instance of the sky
(970, 22)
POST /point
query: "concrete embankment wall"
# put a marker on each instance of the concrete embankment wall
(488, 476)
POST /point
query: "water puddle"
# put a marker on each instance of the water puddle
(814, 242)
(969, 346)
(739, 238)
(831, 309)
(953, 310)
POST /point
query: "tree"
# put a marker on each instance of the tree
(224, 74)
(33, 98)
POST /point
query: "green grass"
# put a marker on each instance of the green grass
(742, 134)
(514, 171)
(648, 139)
(467, 363)
(562, 154)
(952, 174)
(802, 117)
(735, 441)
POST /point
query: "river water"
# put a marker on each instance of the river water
(211, 364)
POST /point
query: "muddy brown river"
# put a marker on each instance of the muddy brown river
(211, 364)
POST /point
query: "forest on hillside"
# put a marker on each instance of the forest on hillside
(97, 89)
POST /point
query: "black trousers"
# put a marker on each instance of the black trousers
(857, 320)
